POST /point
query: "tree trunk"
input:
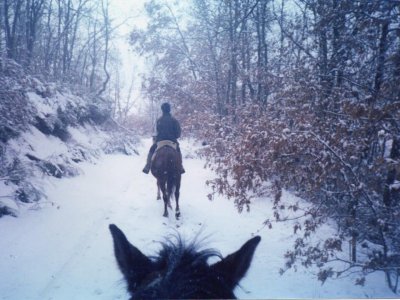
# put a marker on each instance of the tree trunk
(380, 67)
(232, 77)
(106, 50)
(11, 26)
(262, 52)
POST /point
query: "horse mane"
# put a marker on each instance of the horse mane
(176, 252)
(183, 266)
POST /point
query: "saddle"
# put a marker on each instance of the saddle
(164, 143)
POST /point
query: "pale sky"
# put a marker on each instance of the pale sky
(130, 14)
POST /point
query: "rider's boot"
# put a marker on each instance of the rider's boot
(147, 167)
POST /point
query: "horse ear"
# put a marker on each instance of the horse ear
(132, 263)
(234, 267)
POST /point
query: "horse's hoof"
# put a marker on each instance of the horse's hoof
(177, 215)
(165, 215)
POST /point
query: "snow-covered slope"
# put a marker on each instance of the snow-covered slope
(64, 250)
(47, 131)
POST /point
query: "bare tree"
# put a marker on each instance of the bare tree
(12, 11)
(106, 22)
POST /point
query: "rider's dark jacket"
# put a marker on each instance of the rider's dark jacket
(168, 128)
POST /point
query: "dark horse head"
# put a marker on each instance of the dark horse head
(181, 271)
(165, 167)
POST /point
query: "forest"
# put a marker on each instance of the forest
(61, 40)
(300, 95)
(296, 95)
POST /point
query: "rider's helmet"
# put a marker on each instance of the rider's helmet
(166, 108)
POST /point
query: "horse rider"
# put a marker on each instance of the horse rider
(168, 128)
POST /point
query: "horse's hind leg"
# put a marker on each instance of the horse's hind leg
(177, 193)
(162, 186)
(165, 206)
(158, 191)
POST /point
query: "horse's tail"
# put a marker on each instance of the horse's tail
(170, 186)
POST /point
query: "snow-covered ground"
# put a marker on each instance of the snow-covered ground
(63, 250)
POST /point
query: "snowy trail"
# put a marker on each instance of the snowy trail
(64, 250)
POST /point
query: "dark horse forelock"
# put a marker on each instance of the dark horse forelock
(165, 168)
(181, 271)
(181, 266)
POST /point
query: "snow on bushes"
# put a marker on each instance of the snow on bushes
(344, 160)
(46, 130)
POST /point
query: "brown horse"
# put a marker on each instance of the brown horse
(165, 168)
(181, 270)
